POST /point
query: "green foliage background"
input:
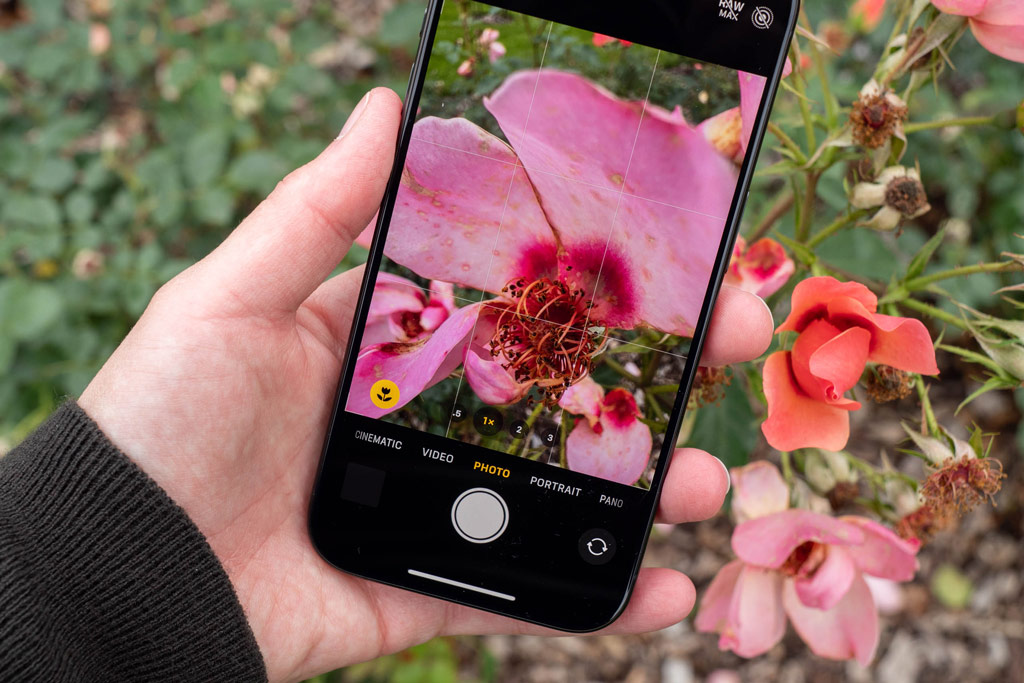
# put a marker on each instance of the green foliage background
(148, 154)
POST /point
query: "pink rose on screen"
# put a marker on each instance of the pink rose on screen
(730, 130)
(609, 442)
(489, 39)
(839, 334)
(761, 268)
(799, 564)
(579, 225)
(997, 24)
(401, 312)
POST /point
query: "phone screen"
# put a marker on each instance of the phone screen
(543, 268)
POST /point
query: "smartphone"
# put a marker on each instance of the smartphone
(565, 196)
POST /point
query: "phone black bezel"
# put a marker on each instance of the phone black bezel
(606, 15)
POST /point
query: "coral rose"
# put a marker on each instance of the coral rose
(997, 24)
(840, 332)
(804, 565)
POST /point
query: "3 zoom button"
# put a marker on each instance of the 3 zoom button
(597, 546)
(479, 515)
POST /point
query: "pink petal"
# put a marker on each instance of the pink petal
(848, 630)
(903, 343)
(582, 148)
(758, 490)
(392, 296)
(887, 594)
(883, 553)
(811, 297)
(655, 248)
(796, 420)
(1005, 41)
(751, 91)
(967, 8)
(584, 398)
(756, 619)
(487, 378)
(713, 615)
(618, 448)
(829, 582)
(413, 367)
(470, 219)
(769, 541)
(1001, 12)
(563, 124)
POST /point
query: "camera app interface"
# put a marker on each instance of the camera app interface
(562, 202)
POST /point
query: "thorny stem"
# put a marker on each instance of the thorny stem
(836, 225)
(831, 113)
(924, 281)
(947, 123)
(927, 414)
(810, 195)
(778, 210)
(788, 143)
(933, 312)
(787, 467)
(619, 368)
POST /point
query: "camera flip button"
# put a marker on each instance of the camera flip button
(479, 515)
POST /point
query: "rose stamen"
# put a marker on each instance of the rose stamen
(539, 338)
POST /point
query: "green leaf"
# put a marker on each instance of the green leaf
(401, 26)
(951, 587)
(28, 309)
(215, 206)
(924, 255)
(729, 429)
(205, 156)
(79, 207)
(802, 252)
(257, 171)
(31, 211)
(53, 175)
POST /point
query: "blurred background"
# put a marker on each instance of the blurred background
(134, 134)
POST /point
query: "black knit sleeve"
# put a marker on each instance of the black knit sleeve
(102, 576)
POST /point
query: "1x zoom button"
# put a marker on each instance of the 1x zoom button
(479, 515)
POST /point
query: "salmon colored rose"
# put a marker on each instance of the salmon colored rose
(997, 24)
(867, 14)
(840, 333)
(809, 567)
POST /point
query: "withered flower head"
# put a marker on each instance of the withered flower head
(922, 523)
(962, 483)
(900, 194)
(876, 116)
(885, 383)
(708, 386)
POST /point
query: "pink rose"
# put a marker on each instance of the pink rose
(802, 565)
(997, 24)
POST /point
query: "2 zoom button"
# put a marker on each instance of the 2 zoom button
(597, 546)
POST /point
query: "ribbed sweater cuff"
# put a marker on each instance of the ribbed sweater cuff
(102, 576)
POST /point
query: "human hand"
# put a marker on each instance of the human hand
(223, 390)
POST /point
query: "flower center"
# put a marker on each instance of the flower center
(805, 559)
(410, 323)
(906, 195)
(542, 335)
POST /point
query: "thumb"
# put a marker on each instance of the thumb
(293, 240)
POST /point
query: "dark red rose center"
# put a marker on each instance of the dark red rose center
(543, 335)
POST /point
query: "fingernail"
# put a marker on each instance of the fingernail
(728, 477)
(354, 116)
